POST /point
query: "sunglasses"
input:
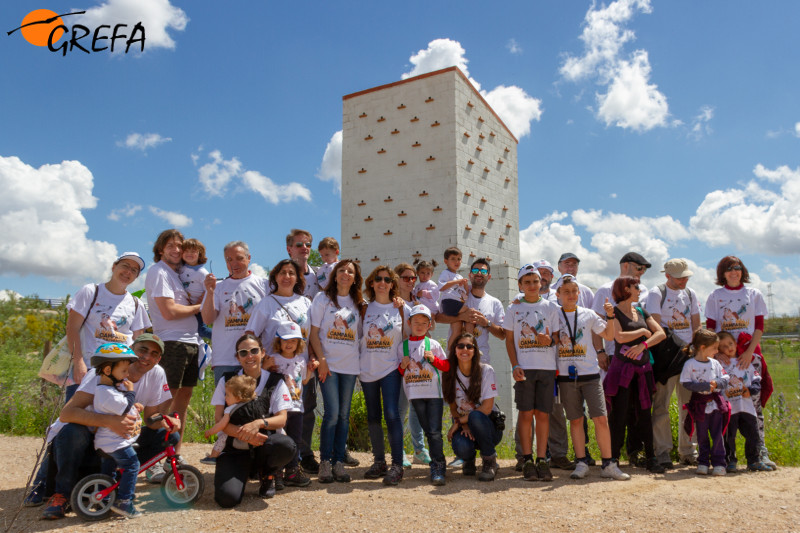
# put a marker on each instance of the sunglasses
(482, 271)
(640, 268)
(734, 267)
(385, 279)
(408, 278)
(245, 353)
(301, 244)
(462, 346)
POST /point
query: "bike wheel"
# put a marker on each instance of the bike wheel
(84, 500)
(192, 490)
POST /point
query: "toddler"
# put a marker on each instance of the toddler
(238, 391)
(193, 276)
(453, 291)
(426, 292)
(329, 252)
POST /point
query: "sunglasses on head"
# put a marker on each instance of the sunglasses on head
(482, 271)
(734, 267)
(385, 279)
(462, 346)
(301, 244)
(245, 353)
(408, 278)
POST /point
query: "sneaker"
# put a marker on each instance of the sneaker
(654, 467)
(767, 461)
(422, 456)
(718, 471)
(758, 467)
(349, 460)
(155, 474)
(57, 507)
(295, 477)
(612, 471)
(529, 472)
(125, 508)
(489, 468)
(208, 460)
(731, 468)
(668, 465)
(520, 464)
(35, 497)
(702, 470)
(325, 474)
(543, 470)
(438, 473)
(309, 464)
(689, 460)
(180, 459)
(468, 467)
(339, 474)
(406, 462)
(279, 485)
(377, 470)
(393, 475)
(267, 488)
(638, 461)
(581, 469)
(561, 462)
(455, 463)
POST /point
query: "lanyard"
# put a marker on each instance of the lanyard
(572, 330)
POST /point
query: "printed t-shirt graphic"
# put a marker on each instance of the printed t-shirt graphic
(527, 320)
(582, 355)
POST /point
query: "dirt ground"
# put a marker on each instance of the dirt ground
(676, 501)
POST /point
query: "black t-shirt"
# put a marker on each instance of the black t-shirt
(626, 324)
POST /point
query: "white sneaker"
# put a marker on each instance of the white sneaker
(718, 471)
(155, 474)
(612, 471)
(581, 469)
(702, 470)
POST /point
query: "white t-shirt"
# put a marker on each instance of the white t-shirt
(163, 282)
(677, 310)
(600, 299)
(383, 330)
(740, 381)
(339, 332)
(151, 390)
(324, 274)
(193, 279)
(294, 372)
(421, 380)
(583, 356)
(112, 318)
(427, 294)
(234, 301)
(272, 310)
(492, 309)
(488, 390)
(736, 311)
(281, 399)
(312, 285)
(695, 371)
(456, 292)
(110, 401)
(527, 320)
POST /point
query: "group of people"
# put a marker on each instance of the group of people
(276, 341)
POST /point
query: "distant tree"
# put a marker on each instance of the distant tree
(315, 259)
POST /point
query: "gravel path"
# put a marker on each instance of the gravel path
(679, 501)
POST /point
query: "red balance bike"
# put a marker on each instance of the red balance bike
(182, 486)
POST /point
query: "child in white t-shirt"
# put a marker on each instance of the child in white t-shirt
(238, 391)
(708, 410)
(193, 276)
(453, 292)
(426, 291)
(288, 359)
(114, 396)
(329, 252)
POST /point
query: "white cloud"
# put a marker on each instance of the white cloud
(45, 232)
(127, 212)
(513, 46)
(515, 107)
(8, 294)
(700, 124)
(143, 141)
(773, 269)
(441, 53)
(272, 192)
(631, 100)
(613, 195)
(173, 218)
(331, 167)
(216, 176)
(259, 270)
(756, 218)
(157, 16)
(797, 129)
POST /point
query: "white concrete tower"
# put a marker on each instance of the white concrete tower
(427, 164)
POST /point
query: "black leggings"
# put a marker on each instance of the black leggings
(626, 411)
(233, 467)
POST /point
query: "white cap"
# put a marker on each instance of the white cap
(528, 269)
(420, 310)
(544, 264)
(288, 330)
(562, 279)
(133, 256)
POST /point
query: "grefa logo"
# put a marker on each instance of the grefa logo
(42, 27)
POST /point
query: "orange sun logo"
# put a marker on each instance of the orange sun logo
(39, 24)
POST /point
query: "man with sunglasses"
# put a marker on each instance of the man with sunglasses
(481, 309)
(298, 244)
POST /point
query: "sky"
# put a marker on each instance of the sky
(667, 128)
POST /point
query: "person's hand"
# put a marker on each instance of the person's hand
(312, 365)
(175, 421)
(452, 431)
(464, 283)
(602, 360)
(207, 433)
(544, 339)
(269, 364)
(405, 362)
(608, 308)
(322, 370)
(722, 358)
(746, 358)
(398, 302)
(78, 370)
(647, 333)
(428, 356)
(257, 440)
(139, 407)
(518, 374)
(465, 431)
(123, 425)
(248, 431)
(634, 351)
(127, 384)
(713, 384)
(210, 283)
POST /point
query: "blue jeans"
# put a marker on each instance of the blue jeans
(128, 461)
(337, 395)
(485, 434)
(387, 387)
(414, 428)
(429, 411)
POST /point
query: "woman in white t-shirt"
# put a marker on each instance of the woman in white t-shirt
(335, 337)
(104, 313)
(470, 389)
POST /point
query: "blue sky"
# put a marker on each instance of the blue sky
(671, 128)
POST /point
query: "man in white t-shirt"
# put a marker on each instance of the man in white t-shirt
(228, 304)
(298, 244)
(174, 322)
(73, 446)
(568, 263)
(673, 305)
(546, 272)
(481, 309)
